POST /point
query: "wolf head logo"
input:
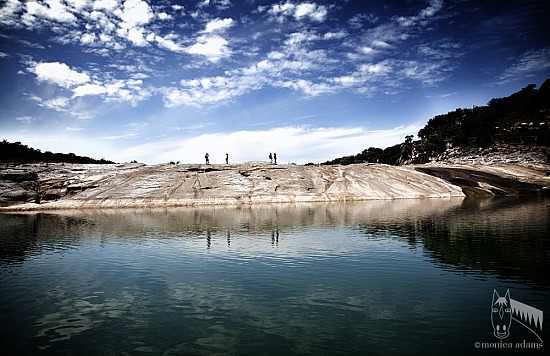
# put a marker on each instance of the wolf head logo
(501, 314)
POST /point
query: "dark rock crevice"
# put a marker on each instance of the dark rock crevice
(475, 183)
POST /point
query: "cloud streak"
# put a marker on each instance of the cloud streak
(293, 144)
(527, 64)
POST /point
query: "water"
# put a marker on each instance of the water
(383, 277)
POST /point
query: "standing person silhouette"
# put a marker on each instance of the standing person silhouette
(275, 157)
(206, 157)
(270, 158)
(227, 158)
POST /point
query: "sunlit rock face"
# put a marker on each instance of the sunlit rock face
(57, 186)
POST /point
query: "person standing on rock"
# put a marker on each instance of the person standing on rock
(275, 157)
(226, 158)
(270, 158)
(207, 158)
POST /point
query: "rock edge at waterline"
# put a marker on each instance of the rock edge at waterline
(61, 186)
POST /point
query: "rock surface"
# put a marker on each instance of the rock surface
(60, 186)
(497, 154)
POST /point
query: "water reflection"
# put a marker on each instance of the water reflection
(504, 236)
(307, 278)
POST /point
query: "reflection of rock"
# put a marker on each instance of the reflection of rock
(57, 186)
(506, 236)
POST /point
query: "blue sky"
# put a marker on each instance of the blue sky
(160, 81)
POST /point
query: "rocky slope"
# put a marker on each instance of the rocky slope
(59, 186)
(497, 154)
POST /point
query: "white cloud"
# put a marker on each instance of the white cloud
(292, 144)
(129, 90)
(423, 16)
(398, 29)
(59, 73)
(88, 39)
(298, 38)
(213, 47)
(218, 25)
(369, 51)
(204, 3)
(166, 43)
(26, 119)
(334, 35)
(380, 44)
(219, 4)
(59, 103)
(435, 7)
(209, 44)
(134, 13)
(124, 136)
(438, 51)
(300, 11)
(275, 55)
(378, 68)
(53, 10)
(426, 73)
(89, 89)
(308, 87)
(314, 12)
(527, 64)
(105, 5)
(164, 16)
(210, 90)
(78, 5)
(135, 35)
(367, 78)
(9, 11)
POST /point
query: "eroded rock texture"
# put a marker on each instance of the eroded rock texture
(57, 186)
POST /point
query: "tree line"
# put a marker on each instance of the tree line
(19, 153)
(521, 118)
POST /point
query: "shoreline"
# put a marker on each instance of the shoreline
(42, 187)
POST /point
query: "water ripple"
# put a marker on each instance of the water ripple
(332, 279)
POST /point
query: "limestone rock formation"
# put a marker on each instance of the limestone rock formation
(59, 186)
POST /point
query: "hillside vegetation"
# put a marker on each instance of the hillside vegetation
(19, 153)
(521, 119)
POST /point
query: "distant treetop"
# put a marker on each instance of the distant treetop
(19, 153)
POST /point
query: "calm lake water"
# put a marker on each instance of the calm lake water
(382, 277)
